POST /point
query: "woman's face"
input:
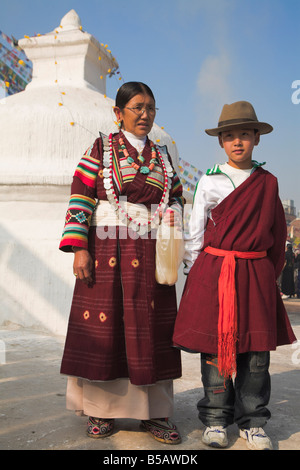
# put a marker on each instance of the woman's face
(138, 115)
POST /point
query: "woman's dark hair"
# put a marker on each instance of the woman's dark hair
(129, 90)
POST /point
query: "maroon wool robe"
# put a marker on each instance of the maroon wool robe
(251, 218)
(122, 324)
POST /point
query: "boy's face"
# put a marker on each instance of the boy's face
(238, 145)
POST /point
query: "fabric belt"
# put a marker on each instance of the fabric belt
(106, 214)
(227, 322)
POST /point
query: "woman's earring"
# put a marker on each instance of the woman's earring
(119, 124)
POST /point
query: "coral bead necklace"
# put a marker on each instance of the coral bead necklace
(143, 169)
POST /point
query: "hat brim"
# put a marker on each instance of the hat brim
(262, 127)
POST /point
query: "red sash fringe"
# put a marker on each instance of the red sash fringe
(227, 323)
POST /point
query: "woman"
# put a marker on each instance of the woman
(118, 351)
(287, 277)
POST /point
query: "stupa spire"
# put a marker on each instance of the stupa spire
(71, 21)
(68, 56)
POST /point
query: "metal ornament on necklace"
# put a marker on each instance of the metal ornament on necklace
(145, 170)
(135, 225)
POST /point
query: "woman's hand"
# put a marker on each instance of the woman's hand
(170, 218)
(83, 265)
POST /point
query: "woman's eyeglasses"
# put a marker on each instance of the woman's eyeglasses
(139, 110)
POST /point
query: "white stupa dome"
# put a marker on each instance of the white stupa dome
(45, 129)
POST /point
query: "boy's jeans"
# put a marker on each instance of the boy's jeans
(242, 402)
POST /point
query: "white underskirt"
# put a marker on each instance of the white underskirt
(120, 399)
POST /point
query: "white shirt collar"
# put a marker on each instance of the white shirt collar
(232, 170)
(137, 142)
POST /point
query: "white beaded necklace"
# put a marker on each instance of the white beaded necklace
(139, 227)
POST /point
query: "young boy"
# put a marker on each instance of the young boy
(231, 310)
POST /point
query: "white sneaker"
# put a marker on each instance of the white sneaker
(256, 439)
(215, 436)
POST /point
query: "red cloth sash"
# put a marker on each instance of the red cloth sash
(227, 322)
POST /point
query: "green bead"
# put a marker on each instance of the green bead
(141, 159)
(145, 170)
(130, 160)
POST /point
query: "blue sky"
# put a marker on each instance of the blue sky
(196, 55)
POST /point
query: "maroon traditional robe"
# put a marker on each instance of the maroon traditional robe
(251, 218)
(122, 324)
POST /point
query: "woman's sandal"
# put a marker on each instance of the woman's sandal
(162, 430)
(97, 427)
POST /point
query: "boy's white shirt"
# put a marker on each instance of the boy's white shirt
(210, 191)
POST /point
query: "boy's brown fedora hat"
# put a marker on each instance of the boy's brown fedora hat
(239, 114)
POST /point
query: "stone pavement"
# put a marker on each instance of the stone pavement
(32, 400)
